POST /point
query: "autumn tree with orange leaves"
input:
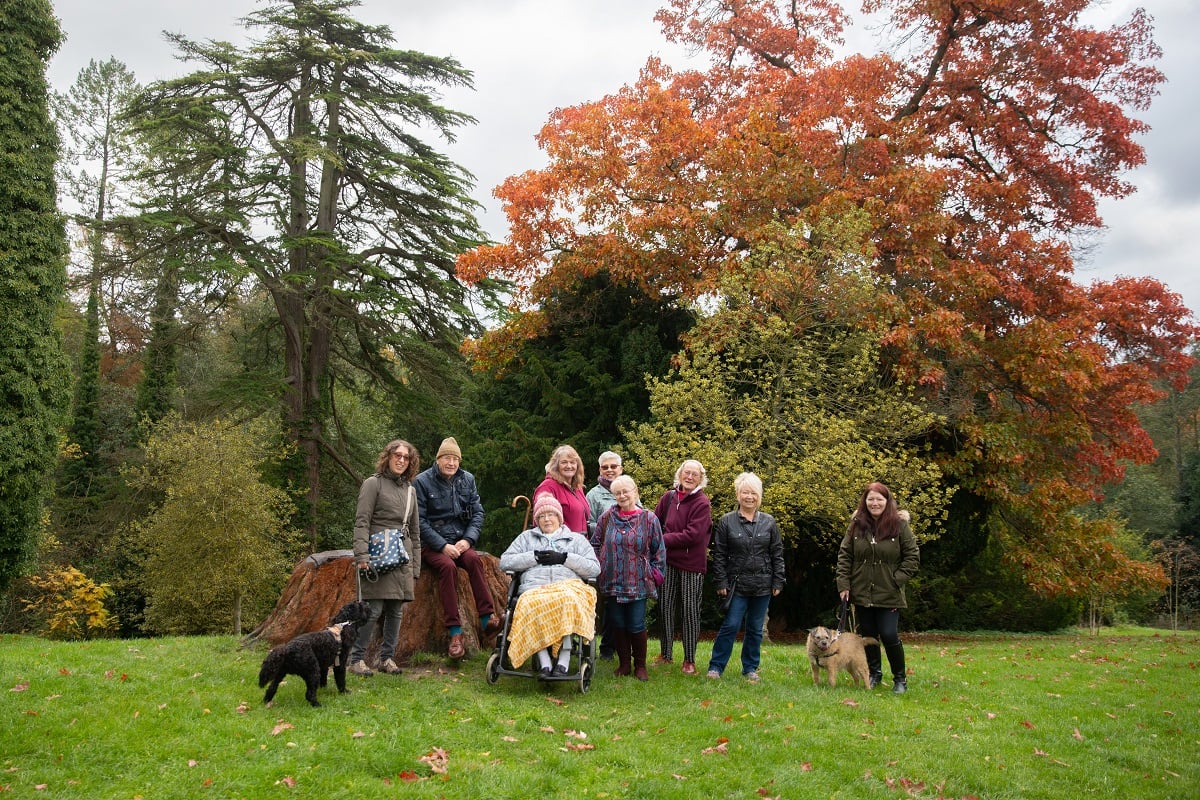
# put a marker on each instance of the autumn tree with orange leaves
(979, 145)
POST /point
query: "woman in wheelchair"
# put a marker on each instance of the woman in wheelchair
(554, 602)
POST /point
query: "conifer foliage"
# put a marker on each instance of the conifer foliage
(300, 157)
(34, 380)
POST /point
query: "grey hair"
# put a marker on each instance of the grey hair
(626, 480)
(703, 473)
(608, 455)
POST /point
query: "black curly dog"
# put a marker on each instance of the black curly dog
(310, 655)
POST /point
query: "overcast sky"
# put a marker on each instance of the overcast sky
(532, 56)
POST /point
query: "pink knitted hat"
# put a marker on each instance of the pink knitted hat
(547, 502)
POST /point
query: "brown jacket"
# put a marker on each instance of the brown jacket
(385, 501)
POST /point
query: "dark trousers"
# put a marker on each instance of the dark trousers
(447, 577)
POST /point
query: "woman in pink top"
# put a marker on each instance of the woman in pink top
(564, 481)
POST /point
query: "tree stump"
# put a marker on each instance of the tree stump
(320, 585)
(323, 582)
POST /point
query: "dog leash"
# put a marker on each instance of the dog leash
(842, 619)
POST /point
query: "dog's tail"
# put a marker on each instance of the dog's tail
(869, 640)
(270, 666)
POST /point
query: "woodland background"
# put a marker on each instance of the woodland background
(224, 292)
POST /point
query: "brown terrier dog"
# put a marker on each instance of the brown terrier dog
(835, 652)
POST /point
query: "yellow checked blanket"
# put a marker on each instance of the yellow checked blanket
(545, 614)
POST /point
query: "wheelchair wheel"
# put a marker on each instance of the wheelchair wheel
(493, 668)
(585, 676)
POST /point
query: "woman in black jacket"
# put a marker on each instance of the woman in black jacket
(747, 568)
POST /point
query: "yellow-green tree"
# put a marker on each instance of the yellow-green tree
(782, 379)
(218, 547)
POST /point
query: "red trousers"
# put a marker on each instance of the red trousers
(447, 576)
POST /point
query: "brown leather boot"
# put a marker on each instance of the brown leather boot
(637, 643)
(621, 648)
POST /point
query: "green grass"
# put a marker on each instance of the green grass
(986, 716)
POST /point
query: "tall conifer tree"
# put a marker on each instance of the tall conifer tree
(301, 157)
(34, 380)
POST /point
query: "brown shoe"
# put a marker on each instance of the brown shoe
(458, 647)
(689, 668)
(660, 660)
(494, 625)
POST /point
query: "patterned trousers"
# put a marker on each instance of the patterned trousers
(680, 596)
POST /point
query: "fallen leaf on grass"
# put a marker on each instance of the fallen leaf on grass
(437, 759)
(720, 748)
(679, 777)
(408, 776)
(547, 729)
(287, 781)
(849, 701)
(509, 739)
(242, 708)
(64, 671)
(577, 746)
(1078, 735)
(357, 735)
(193, 762)
(556, 701)
(20, 687)
(280, 727)
(575, 734)
(1027, 724)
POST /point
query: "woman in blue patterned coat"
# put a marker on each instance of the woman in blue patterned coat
(629, 545)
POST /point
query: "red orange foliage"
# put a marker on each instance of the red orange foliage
(978, 147)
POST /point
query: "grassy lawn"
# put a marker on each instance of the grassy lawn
(986, 716)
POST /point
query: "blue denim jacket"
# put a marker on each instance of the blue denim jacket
(450, 508)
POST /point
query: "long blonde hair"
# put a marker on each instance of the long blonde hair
(552, 466)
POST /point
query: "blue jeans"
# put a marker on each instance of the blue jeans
(754, 611)
(631, 616)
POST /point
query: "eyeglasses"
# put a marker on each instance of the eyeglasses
(399, 454)
(607, 467)
(622, 493)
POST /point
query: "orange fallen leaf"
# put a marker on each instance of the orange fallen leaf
(1027, 724)
(281, 727)
(578, 746)
(408, 776)
(720, 749)
(64, 671)
(437, 759)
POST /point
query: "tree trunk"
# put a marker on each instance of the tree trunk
(323, 582)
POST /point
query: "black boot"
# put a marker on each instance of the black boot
(874, 665)
(895, 657)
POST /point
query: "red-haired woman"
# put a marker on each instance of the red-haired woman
(877, 557)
